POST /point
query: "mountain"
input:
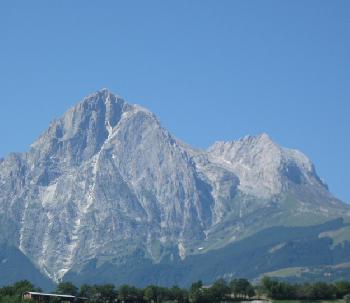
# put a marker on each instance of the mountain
(15, 266)
(107, 189)
(292, 253)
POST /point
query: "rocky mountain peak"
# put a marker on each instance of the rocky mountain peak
(106, 180)
(81, 131)
(263, 167)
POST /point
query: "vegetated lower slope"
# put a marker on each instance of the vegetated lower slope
(266, 251)
(107, 184)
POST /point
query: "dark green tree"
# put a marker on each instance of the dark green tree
(178, 294)
(241, 288)
(196, 292)
(24, 285)
(320, 290)
(250, 291)
(87, 291)
(7, 291)
(67, 288)
(219, 291)
(128, 293)
(14, 292)
(342, 288)
(277, 289)
(106, 293)
(150, 293)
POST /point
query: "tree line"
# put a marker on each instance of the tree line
(220, 291)
(276, 289)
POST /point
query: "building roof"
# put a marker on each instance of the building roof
(48, 295)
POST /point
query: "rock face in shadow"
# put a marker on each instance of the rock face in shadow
(15, 266)
(107, 181)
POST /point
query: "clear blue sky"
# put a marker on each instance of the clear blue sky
(210, 70)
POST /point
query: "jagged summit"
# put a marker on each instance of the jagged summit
(106, 182)
(263, 167)
(263, 137)
(103, 93)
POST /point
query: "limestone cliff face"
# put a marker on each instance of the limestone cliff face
(106, 180)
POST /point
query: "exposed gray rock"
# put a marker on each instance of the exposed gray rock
(106, 180)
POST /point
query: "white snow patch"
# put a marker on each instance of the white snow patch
(182, 250)
(109, 129)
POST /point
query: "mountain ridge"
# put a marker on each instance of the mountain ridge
(106, 179)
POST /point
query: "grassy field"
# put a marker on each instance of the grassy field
(287, 272)
(308, 301)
